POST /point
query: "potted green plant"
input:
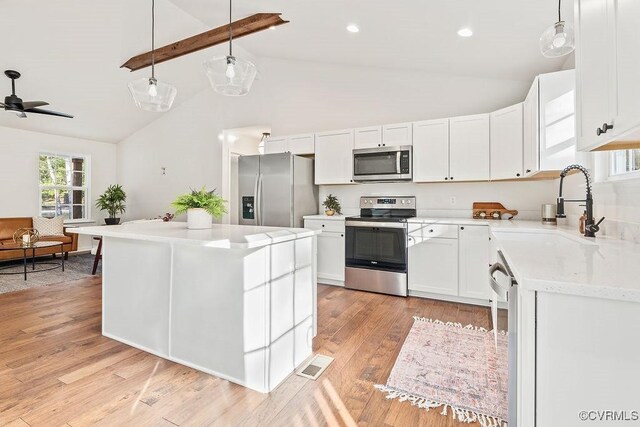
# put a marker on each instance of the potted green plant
(332, 206)
(201, 206)
(112, 201)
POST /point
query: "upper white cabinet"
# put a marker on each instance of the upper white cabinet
(369, 137)
(506, 143)
(301, 144)
(530, 123)
(334, 157)
(397, 134)
(469, 146)
(431, 151)
(607, 61)
(296, 144)
(276, 145)
(549, 137)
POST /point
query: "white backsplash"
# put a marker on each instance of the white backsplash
(453, 200)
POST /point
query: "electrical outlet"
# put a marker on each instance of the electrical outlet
(452, 200)
(163, 171)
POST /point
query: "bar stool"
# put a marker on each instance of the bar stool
(98, 254)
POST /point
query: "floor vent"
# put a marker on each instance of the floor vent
(315, 367)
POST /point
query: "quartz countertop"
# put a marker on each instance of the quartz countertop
(559, 259)
(324, 217)
(219, 236)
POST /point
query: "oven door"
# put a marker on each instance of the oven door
(376, 246)
(382, 164)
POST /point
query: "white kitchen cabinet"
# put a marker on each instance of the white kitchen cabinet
(530, 123)
(301, 144)
(431, 151)
(506, 143)
(474, 262)
(433, 262)
(607, 60)
(275, 145)
(334, 157)
(397, 134)
(296, 144)
(330, 251)
(369, 137)
(469, 147)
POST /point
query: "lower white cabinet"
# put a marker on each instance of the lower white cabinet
(433, 264)
(330, 249)
(474, 262)
(449, 260)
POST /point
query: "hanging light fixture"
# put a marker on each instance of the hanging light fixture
(148, 93)
(559, 39)
(229, 75)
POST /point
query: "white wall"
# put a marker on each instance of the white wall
(295, 97)
(19, 179)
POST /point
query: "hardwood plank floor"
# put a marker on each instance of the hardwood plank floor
(57, 369)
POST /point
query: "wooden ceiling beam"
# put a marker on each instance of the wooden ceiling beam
(240, 28)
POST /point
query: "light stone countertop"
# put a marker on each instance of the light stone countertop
(219, 236)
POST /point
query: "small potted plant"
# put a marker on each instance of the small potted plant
(112, 201)
(332, 206)
(201, 207)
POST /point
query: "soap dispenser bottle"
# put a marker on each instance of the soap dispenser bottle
(582, 221)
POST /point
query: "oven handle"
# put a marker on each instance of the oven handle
(375, 224)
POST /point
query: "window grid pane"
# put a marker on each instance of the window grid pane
(63, 186)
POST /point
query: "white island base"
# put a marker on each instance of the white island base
(235, 302)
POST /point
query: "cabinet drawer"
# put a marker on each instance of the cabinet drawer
(422, 232)
(318, 224)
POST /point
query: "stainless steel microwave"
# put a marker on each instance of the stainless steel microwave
(383, 164)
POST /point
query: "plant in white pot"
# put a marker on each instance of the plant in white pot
(201, 207)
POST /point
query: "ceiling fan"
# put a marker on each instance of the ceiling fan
(13, 104)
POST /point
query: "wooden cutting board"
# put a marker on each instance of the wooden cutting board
(490, 209)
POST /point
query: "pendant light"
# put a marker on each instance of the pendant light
(559, 39)
(229, 75)
(148, 93)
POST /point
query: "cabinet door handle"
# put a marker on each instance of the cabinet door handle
(451, 178)
(431, 231)
(342, 235)
(517, 174)
(528, 170)
(322, 225)
(461, 228)
(446, 178)
(605, 127)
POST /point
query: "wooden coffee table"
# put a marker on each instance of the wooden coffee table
(29, 251)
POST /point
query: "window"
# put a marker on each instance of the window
(624, 162)
(64, 186)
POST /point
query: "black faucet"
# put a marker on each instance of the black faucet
(590, 227)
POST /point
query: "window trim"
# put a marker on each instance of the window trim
(87, 188)
(624, 176)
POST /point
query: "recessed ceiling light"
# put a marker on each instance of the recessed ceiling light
(465, 32)
(353, 28)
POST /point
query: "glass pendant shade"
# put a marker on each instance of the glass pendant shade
(229, 75)
(152, 95)
(558, 40)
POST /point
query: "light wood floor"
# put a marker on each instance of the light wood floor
(56, 369)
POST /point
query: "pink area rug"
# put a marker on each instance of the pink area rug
(454, 367)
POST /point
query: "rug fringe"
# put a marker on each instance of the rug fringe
(455, 324)
(462, 415)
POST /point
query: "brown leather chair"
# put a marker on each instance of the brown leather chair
(8, 226)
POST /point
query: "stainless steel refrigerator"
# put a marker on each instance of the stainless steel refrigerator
(276, 190)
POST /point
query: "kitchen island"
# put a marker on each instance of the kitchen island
(237, 302)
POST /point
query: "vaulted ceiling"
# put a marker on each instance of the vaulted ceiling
(69, 51)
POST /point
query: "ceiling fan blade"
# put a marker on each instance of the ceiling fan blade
(48, 112)
(33, 104)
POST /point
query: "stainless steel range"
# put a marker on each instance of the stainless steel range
(376, 245)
